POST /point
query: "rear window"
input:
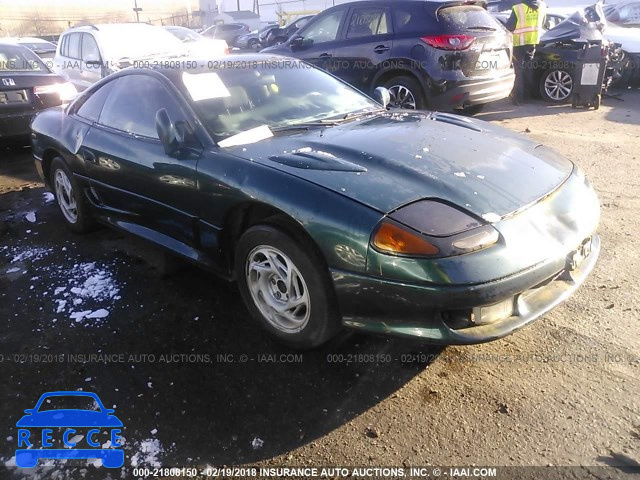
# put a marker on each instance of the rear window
(467, 17)
(19, 59)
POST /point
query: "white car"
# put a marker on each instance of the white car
(88, 53)
(199, 45)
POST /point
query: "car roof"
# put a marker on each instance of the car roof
(109, 27)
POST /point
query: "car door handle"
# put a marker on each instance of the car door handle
(89, 156)
(381, 49)
(326, 55)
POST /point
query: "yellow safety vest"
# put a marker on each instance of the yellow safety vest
(528, 24)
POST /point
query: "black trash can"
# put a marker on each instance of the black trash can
(589, 70)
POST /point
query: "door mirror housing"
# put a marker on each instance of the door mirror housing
(177, 138)
(382, 96)
(92, 60)
(171, 136)
(296, 42)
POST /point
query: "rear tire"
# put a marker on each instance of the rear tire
(68, 194)
(405, 92)
(285, 288)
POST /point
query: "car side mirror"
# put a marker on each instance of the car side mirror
(382, 96)
(172, 138)
(296, 42)
(92, 60)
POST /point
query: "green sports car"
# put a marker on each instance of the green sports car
(329, 210)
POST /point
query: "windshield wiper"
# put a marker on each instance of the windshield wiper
(305, 125)
(362, 113)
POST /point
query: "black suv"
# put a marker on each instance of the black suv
(430, 54)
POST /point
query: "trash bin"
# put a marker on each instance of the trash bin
(590, 70)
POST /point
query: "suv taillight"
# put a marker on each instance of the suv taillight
(449, 42)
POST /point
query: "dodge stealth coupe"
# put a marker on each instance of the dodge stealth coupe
(329, 210)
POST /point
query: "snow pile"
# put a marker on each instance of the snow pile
(87, 284)
(147, 453)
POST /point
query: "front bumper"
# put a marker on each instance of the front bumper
(453, 94)
(418, 311)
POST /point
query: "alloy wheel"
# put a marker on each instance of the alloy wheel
(558, 85)
(401, 97)
(278, 289)
(66, 196)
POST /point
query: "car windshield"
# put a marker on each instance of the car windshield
(275, 93)
(140, 41)
(19, 59)
(69, 402)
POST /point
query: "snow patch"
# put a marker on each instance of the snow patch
(47, 197)
(147, 453)
(13, 270)
(460, 174)
(31, 217)
(257, 443)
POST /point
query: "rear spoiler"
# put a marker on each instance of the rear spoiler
(457, 3)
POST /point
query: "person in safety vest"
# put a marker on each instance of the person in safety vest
(526, 23)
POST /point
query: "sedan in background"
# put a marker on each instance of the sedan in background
(44, 49)
(197, 44)
(27, 86)
(251, 40)
(328, 210)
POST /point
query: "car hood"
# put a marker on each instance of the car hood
(391, 159)
(69, 418)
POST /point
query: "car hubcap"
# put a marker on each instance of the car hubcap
(65, 196)
(401, 97)
(278, 289)
(558, 85)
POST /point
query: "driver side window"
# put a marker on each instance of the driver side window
(325, 29)
(133, 105)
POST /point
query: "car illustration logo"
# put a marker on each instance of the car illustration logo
(9, 82)
(77, 430)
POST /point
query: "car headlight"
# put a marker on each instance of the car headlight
(434, 229)
(66, 91)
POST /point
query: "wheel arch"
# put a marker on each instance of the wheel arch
(47, 158)
(242, 217)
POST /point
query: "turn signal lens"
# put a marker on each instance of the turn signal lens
(392, 238)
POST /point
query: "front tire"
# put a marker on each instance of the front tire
(405, 93)
(556, 86)
(285, 288)
(68, 195)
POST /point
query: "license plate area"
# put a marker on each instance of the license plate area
(14, 97)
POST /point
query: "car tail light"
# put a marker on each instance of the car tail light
(449, 42)
(66, 91)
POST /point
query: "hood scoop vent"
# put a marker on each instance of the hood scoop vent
(455, 120)
(309, 159)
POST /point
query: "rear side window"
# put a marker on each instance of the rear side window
(72, 45)
(467, 17)
(367, 21)
(133, 104)
(92, 107)
(411, 19)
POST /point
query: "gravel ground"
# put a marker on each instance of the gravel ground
(564, 391)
